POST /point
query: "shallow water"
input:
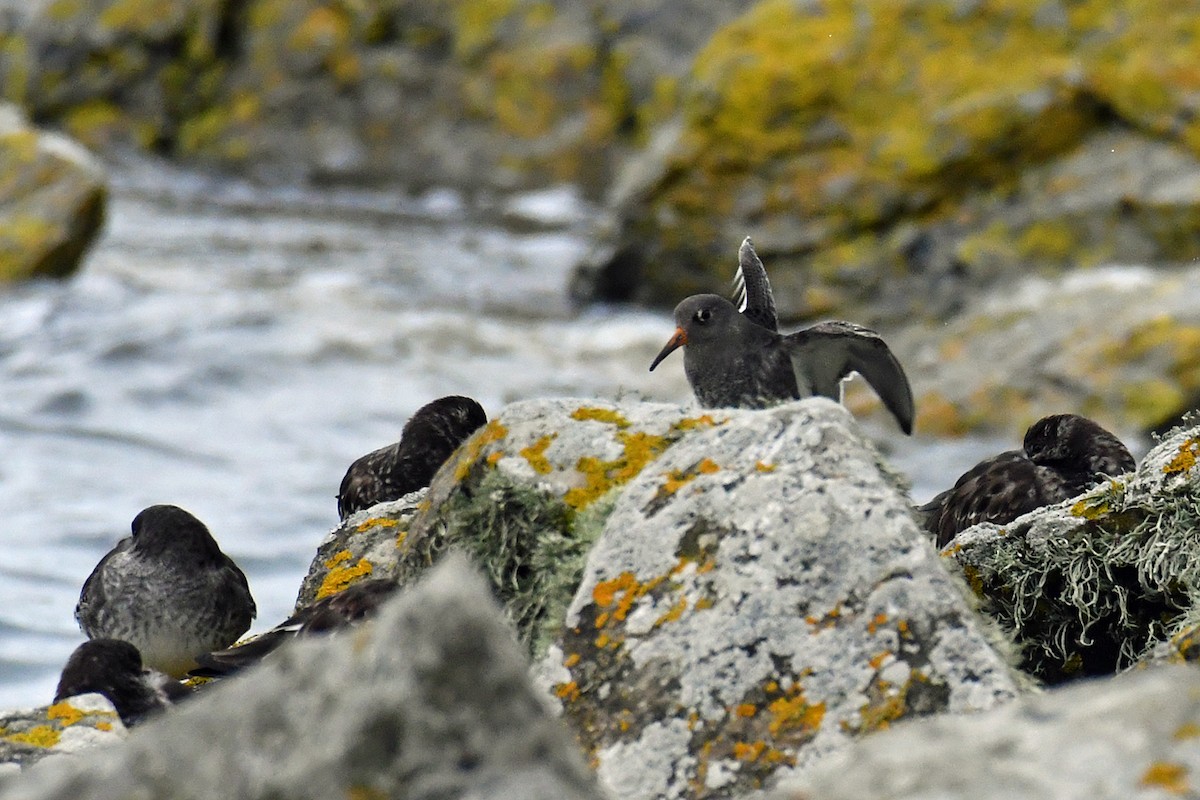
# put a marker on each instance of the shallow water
(231, 349)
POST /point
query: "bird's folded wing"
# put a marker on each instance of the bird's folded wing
(828, 352)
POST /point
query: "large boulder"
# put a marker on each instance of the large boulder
(53, 194)
(1129, 738)
(890, 159)
(434, 700)
(1119, 344)
(1093, 584)
(472, 93)
(757, 598)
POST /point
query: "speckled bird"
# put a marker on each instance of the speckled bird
(429, 437)
(168, 590)
(1062, 456)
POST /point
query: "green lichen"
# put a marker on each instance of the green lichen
(1097, 599)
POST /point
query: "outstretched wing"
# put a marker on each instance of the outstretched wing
(752, 290)
(827, 353)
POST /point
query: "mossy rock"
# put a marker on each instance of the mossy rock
(528, 494)
(880, 154)
(1092, 585)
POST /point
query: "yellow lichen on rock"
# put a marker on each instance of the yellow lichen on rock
(1169, 776)
(600, 476)
(535, 454)
(1184, 459)
(341, 574)
(38, 736)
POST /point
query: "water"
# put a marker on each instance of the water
(231, 350)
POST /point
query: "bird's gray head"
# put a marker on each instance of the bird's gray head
(163, 529)
(699, 319)
(1069, 441)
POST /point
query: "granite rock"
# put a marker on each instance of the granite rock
(433, 700)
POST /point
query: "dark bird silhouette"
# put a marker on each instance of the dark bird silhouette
(168, 590)
(114, 669)
(356, 602)
(429, 437)
(737, 358)
(1063, 455)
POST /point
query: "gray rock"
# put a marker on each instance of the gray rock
(1126, 738)
(365, 545)
(1093, 584)
(1115, 343)
(760, 596)
(433, 700)
(72, 726)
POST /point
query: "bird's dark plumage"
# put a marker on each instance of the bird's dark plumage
(429, 437)
(168, 590)
(114, 669)
(738, 359)
(1063, 455)
(348, 607)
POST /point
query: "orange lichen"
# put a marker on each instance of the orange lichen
(764, 467)
(38, 736)
(473, 448)
(1168, 776)
(375, 522)
(693, 423)
(876, 623)
(620, 593)
(793, 712)
(828, 621)
(673, 613)
(748, 751)
(494, 458)
(877, 660)
(571, 660)
(66, 713)
(104, 726)
(567, 692)
(600, 476)
(746, 710)
(1188, 730)
(339, 577)
(535, 454)
(600, 415)
(1185, 459)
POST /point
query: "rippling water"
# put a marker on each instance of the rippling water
(231, 350)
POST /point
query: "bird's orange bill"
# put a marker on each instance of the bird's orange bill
(675, 342)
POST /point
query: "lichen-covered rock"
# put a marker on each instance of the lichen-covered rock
(889, 159)
(433, 700)
(1095, 583)
(75, 724)
(1128, 738)
(365, 545)
(53, 193)
(476, 93)
(1119, 344)
(758, 597)
(527, 495)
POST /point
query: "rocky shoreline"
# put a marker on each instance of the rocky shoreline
(699, 605)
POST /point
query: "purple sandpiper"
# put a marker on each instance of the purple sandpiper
(737, 357)
(114, 669)
(1063, 455)
(356, 602)
(168, 590)
(429, 437)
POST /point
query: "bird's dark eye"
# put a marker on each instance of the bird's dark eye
(703, 315)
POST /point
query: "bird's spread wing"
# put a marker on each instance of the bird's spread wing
(752, 290)
(826, 353)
